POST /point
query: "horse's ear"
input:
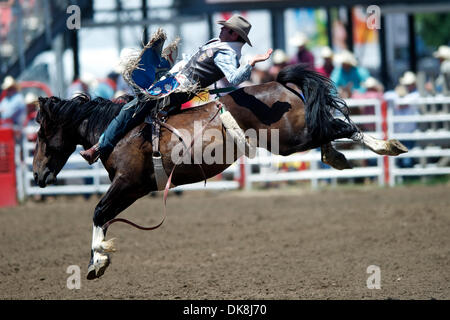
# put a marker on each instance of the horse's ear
(43, 106)
(43, 110)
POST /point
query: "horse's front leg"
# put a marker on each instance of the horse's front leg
(121, 194)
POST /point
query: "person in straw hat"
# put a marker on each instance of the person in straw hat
(442, 83)
(12, 107)
(348, 76)
(153, 82)
(31, 102)
(443, 53)
(279, 61)
(303, 55)
(408, 80)
(374, 90)
(327, 68)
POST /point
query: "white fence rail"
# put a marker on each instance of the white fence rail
(270, 164)
(431, 140)
(426, 133)
(77, 177)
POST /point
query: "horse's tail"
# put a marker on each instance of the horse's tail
(322, 101)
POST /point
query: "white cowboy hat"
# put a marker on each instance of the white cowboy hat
(8, 82)
(298, 40)
(346, 57)
(443, 52)
(88, 79)
(30, 98)
(239, 25)
(326, 52)
(371, 82)
(279, 56)
(408, 78)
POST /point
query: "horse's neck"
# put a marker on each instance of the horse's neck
(87, 138)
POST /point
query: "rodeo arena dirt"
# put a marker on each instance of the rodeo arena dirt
(309, 161)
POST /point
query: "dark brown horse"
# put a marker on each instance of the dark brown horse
(275, 107)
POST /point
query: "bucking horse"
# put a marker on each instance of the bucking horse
(301, 108)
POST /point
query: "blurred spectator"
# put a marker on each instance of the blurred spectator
(81, 85)
(12, 107)
(327, 68)
(443, 54)
(107, 87)
(442, 84)
(348, 76)
(408, 82)
(303, 55)
(30, 102)
(374, 90)
(121, 84)
(280, 60)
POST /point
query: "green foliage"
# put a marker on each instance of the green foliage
(434, 28)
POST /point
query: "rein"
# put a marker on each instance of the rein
(219, 106)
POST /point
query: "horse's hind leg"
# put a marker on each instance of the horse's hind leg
(120, 195)
(391, 147)
(334, 158)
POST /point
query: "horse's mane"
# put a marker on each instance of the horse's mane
(322, 100)
(71, 112)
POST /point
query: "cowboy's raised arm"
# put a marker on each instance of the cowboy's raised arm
(261, 57)
(226, 61)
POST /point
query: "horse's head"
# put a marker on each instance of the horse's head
(54, 143)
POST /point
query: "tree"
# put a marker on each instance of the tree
(434, 28)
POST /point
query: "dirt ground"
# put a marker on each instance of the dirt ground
(291, 244)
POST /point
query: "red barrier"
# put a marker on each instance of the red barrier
(241, 178)
(7, 168)
(384, 126)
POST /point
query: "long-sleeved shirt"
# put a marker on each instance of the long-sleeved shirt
(228, 62)
(354, 77)
(227, 59)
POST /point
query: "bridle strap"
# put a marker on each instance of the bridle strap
(295, 90)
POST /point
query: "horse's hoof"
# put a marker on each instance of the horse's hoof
(340, 163)
(98, 268)
(336, 159)
(102, 269)
(396, 147)
(91, 273)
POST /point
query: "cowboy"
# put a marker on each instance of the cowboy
(348, 76)
(303, 55)
(442, 83)
(327, 68)
(216, 59)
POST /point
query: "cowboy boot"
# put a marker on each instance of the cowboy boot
(92, 154)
